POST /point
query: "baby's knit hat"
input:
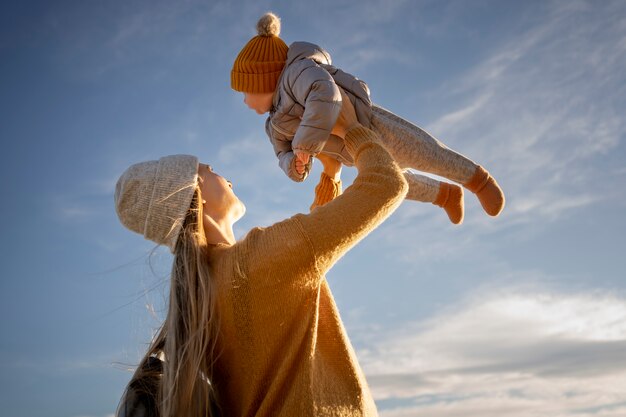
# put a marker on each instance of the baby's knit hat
(152, 198)
(260, 62)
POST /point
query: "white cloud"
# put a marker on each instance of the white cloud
(68, 365)
(519, 353)
(470, 111)
(545, 108)
(253, 152)
(353, 36)
(73, 208)
(113, 37)
(76, 212)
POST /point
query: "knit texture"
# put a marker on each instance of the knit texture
(283, 347)
(152, 198)
(326, 190)
(259, 64)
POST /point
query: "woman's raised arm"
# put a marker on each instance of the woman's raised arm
(377, 191)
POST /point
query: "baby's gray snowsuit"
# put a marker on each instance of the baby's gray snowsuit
(305, 108)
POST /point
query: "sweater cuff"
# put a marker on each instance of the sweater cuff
(358, 136)
(326, 191)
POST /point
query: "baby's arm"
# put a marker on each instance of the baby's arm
(330, 185)
(284, 152)
(314, 88)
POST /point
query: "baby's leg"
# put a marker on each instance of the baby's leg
(330, 185)
(428, 190)
(413, 147)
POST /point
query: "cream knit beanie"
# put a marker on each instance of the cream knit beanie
(152, 198)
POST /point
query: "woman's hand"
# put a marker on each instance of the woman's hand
(347, 117)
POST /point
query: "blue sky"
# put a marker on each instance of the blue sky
(523, 314)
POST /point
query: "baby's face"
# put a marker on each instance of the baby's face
(259, 102)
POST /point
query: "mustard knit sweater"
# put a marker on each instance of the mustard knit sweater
(284, 349)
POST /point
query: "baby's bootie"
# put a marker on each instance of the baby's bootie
(450, 198)
(487, 190)
(326, 191)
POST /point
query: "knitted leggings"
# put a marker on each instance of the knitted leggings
(413, 147)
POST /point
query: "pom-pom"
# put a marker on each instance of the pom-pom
(268, 25)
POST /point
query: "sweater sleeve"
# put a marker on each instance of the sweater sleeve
(326, 190)
(377, 191)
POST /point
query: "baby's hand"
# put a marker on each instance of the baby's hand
(302, 159)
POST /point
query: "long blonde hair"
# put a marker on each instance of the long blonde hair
(187, 339)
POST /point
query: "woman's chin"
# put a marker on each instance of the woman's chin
(242, 210)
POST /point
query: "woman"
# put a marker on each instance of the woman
(252, 325)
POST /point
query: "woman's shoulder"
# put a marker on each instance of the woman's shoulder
(271, 254)
(278, 236)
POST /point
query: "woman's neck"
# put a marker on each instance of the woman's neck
(218, 231)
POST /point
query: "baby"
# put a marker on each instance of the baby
(302, 92)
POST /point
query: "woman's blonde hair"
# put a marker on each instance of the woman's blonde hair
(187, 339)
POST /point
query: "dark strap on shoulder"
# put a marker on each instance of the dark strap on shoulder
(139, 400)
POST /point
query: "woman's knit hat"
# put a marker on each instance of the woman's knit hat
(152, 198)
(260, 62)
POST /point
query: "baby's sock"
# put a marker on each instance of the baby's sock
(325, 191)
(487, 190)
(450, 198)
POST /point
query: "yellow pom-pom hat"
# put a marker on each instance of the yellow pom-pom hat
(260, 62)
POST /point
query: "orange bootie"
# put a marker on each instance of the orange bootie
(450, 198)
(326, 191)
(487, 190)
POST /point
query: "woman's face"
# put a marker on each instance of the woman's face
(217, 191)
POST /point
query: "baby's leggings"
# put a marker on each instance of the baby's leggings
(413, 147)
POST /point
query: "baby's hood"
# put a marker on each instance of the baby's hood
(306, 50)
